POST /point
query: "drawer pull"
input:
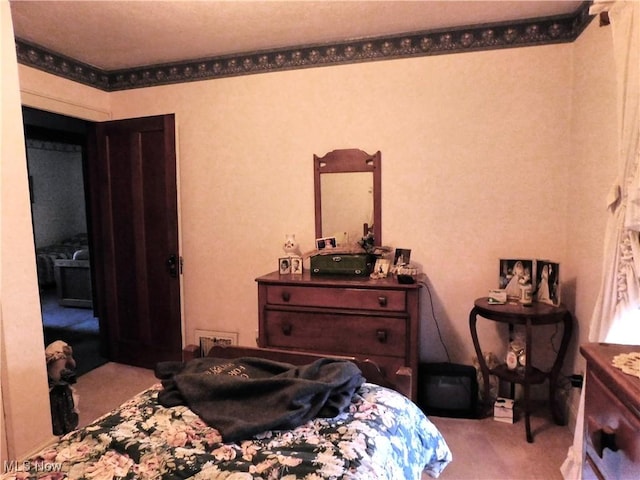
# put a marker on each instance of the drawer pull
(286, 296)
(286, 329)
(607, 440)
(382, 301)
(381, 335)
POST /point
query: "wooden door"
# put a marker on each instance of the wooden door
(133, 196)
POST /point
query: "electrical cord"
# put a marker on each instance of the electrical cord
(433, 313)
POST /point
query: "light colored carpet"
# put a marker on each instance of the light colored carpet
(482, 449)
(489, 450)
(107, 387)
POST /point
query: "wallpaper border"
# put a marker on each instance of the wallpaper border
(525, 33)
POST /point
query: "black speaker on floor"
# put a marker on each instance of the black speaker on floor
(448, 390)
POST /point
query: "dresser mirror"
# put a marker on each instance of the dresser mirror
(347, 195)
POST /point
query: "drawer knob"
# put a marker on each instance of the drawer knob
(382, 301)
(607, 440)
(381, 335)
(286, 329)
(286, 296)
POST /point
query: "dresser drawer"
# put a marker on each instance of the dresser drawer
(341, 334)
(351, 298)
(607, 418)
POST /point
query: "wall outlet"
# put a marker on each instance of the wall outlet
(212, 338)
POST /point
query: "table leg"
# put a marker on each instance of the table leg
(484, 368)
(512, 386)
(527, 375)
(556, 412)
(527, 415)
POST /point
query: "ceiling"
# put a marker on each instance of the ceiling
(115, 35)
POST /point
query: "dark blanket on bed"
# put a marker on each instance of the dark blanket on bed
(246, 396)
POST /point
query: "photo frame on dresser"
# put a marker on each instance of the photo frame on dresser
(402, 257)
(284, 265)
(296, 265)
(381, 268)
(326, 242)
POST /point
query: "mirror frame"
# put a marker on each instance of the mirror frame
(344, 161)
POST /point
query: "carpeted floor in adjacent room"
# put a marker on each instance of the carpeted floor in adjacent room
(76, 326)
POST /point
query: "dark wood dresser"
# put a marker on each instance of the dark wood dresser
(611, 415)
(351, 316)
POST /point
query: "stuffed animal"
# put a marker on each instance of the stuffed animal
(64, 400)
(60, 363)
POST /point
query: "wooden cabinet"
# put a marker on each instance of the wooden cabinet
(358, 317)
(611, 415)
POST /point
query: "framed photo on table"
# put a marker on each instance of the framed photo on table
(547, 285)
(514, 274)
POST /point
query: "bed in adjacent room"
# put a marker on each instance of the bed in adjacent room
(378, 433)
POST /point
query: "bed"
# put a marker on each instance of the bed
(380, 435)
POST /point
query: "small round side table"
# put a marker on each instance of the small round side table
(529, 316)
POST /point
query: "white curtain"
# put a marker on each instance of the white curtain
(619, 298)
(616, 315)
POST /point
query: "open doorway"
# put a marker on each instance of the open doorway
(56, 152)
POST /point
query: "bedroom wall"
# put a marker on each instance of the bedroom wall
(479, 156)
(23, 376)
(592, 171)
(485, 156)
(58, 206)
(474, 168)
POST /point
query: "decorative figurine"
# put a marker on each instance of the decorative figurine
(291, 247)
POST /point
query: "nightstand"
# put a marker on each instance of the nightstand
(530, 316)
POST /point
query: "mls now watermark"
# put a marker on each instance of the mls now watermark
(31, 466)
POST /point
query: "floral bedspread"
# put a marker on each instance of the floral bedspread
(382, 436)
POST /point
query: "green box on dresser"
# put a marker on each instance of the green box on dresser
(360, 265)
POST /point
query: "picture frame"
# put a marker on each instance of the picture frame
(381, 268)
(296, 265)
(326, 242)
(547, 288)
(284, 265)
(402, 257)
(515, 273)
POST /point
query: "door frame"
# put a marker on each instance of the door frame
(55, 132)
(94, 117)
